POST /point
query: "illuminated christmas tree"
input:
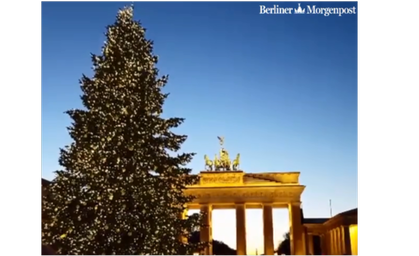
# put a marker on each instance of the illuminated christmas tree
(121, 187)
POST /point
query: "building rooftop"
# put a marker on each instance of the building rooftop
(349, 212)
(45, 182)
(315, 220)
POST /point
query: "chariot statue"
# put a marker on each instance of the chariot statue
(222, 162)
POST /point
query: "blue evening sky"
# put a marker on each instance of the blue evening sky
(281, 89)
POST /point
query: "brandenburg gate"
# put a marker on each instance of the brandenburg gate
(224, 186)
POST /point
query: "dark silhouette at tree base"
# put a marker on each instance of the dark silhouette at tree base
(285, 246)
(218, 247)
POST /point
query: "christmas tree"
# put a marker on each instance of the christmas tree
(121, 187)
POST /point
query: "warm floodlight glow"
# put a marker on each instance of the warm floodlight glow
(353, 231)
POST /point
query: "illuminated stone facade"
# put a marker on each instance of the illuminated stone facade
(338, 235)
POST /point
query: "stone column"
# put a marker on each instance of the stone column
(310, 244)
(340, 241)
(206, 230)
(346, 240)
(296, 229)
(241, 229)
(333, 231)
(329, 243)
(336, 233)
(268, 229)
(337, 241)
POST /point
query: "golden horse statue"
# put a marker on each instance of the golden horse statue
(217, 163)
(208, 162)
(225, 160)
(222, 162)
(236, 162)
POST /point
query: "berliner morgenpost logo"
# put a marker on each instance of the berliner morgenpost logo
(308, 9)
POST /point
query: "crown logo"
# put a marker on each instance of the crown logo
(299, 10)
